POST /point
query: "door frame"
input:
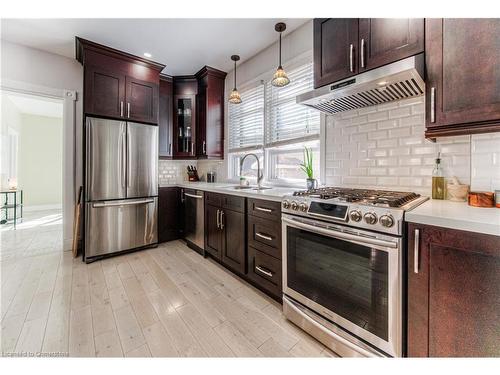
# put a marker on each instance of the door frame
(68, 98)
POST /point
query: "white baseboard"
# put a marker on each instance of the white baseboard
(68, 244)
(42, 207)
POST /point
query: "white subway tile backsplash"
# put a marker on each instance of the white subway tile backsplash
(393, 153)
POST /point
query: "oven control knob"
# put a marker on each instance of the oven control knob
(371, 218)
(286, 204)
(355, 215)
(303, 207)
(295, 206)
(387, 220)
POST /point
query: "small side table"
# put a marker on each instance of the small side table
(16, 203)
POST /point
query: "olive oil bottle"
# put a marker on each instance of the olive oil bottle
(438, 180)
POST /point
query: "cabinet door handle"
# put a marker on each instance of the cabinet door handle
(263, 236)
(433, 104)
(128, 110)
(351, 58)
(416, 246)
(268, 210)
(170, 149)
(121, 109)
(204, 147)
(222, 220)
(264, 271)
(192, 148)
(362, 53)
(218, 220)
(182, 196)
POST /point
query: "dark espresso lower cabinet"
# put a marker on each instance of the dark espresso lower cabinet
(225, 230)
(453, 293)
(168, 213)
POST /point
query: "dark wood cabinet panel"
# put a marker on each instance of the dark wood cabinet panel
(454, 299)
(104, 92)
(233, 229)
(265, 209)
(385, 40)
(335, 42)
(165, 119)
(168, 213)
(117, 84)
(213, 234)
(265, 235)
(462, 92)
(265, 271)
(213, 199)
(142, 100)
(210, 107)
(233, 202)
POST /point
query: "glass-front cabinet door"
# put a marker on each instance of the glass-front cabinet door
(185, 125)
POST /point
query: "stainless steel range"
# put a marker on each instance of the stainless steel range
(342, 267)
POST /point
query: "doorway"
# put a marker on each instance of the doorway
(31, 175)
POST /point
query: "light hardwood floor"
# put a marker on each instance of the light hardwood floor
(163, 302)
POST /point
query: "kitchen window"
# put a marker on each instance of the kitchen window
(271, 124)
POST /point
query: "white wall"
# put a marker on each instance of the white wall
(40, 161)
(41, 71)
(10, 119)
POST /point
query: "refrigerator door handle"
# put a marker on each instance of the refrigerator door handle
(122, 203)
(128, 158)
(124, 158)
(88, 167)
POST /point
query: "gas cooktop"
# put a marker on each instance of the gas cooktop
(378, 210)
(380, 198)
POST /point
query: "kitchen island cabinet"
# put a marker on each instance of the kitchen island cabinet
(453, 293)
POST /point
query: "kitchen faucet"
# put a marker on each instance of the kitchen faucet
(259, 174)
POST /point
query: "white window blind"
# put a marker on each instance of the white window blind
(246, 120)
(288, 121)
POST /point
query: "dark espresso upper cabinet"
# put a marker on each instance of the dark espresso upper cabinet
(165, 119)
(335, 48)
(210, 108)
(462, 62)
(344, 47)
(185, 117)
(385, 40)
(105, 92)
(453, 293)
(117, 84)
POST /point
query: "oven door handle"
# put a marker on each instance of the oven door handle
(340, 235)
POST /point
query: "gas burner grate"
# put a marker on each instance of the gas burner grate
(370, 197)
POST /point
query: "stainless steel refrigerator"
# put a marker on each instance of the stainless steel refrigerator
(121, 186)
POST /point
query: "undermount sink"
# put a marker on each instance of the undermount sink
(239, 187)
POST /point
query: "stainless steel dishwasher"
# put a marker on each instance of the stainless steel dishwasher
(194, 219)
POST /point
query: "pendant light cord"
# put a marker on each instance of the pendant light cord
(280, 51)
(235, 74)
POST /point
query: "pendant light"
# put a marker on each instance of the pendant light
(280, 78)
(234, 97)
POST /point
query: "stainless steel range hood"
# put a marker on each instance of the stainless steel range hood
(400, 80)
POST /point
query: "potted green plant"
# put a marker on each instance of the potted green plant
(307, 168)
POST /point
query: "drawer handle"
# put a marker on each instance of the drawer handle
(263, 236)
(263, 209)
(264, 271)
(416, 246)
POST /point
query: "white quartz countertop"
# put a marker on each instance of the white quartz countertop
(273, 194)
(456, 215)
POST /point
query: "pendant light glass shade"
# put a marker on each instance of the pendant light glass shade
(234, 97)
(280, 78)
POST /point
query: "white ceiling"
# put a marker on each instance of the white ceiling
(33, 105)
(183, 45)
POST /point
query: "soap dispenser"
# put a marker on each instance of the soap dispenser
(437, 180)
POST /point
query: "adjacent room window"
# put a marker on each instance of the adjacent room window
(271, 124)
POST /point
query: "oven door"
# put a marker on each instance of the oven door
(350, 277)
